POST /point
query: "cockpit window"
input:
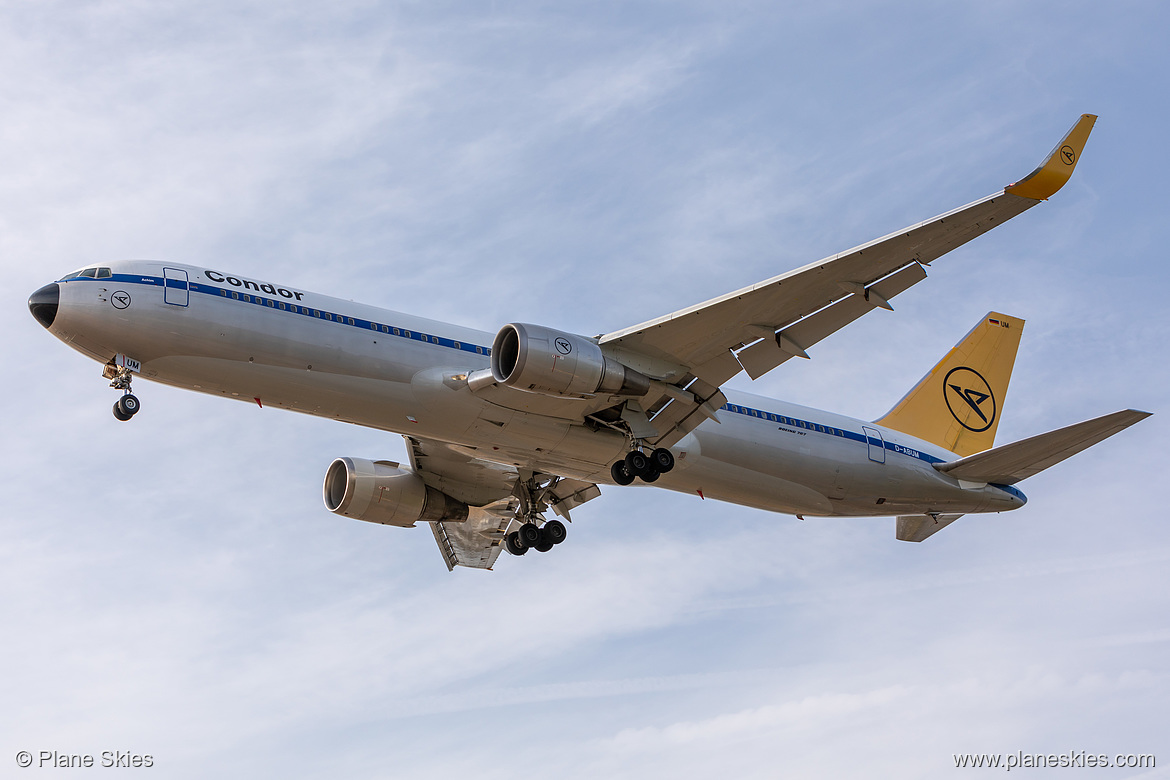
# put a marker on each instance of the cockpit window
(89, 273)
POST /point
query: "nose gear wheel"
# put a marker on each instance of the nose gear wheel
(126, 407)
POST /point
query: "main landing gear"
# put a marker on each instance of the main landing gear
(534, 494)
(642, 465)
(128, 405)
(530, 536)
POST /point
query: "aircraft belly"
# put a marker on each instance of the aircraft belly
(726, 482)
(377, 403)
(735, 465)
(510, 435)
(788, 457)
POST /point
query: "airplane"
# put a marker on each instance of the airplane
(502, 427)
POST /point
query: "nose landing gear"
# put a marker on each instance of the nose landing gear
(642, 465)
(128, 405)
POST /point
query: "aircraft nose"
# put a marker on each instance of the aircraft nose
(44, 302)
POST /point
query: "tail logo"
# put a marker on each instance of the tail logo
(966, 391)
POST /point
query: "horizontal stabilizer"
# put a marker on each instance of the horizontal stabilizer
(915, 528)
(1019, 460)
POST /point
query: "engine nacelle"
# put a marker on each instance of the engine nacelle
(381, 492)
(547, 361)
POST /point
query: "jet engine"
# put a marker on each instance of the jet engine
(381, 492)
(547, 361)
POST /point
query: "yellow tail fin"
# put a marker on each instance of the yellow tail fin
(957, 405)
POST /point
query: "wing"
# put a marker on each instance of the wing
(457, 472)
(759, 327)
(476, 542)
(689, 354)
(484, 486)
(496, 495)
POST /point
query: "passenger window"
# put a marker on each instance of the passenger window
(282, 305)
(236, 295)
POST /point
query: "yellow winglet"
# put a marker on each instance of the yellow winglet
(1043, 183)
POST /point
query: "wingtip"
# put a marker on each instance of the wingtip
(1058, 167)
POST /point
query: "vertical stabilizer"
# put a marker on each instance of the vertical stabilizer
(957, 405)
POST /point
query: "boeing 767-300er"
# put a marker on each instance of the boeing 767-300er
(501, 429)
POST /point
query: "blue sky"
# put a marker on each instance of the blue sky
(174, 586)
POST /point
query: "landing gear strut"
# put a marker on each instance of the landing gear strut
(128, 405)
(642, 465)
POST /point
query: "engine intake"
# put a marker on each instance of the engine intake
(381, 492)
(547, 361)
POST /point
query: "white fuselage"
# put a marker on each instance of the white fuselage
(232, 336)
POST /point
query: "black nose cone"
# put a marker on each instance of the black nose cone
(43, 303)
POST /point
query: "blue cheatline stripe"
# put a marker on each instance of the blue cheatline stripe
(298, 308)
(1010, 489)
(827, 430)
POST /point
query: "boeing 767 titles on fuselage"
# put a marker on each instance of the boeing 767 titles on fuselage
(502, 428)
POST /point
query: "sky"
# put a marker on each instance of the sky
(174, 587)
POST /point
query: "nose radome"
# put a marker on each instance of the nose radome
(44, 302)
